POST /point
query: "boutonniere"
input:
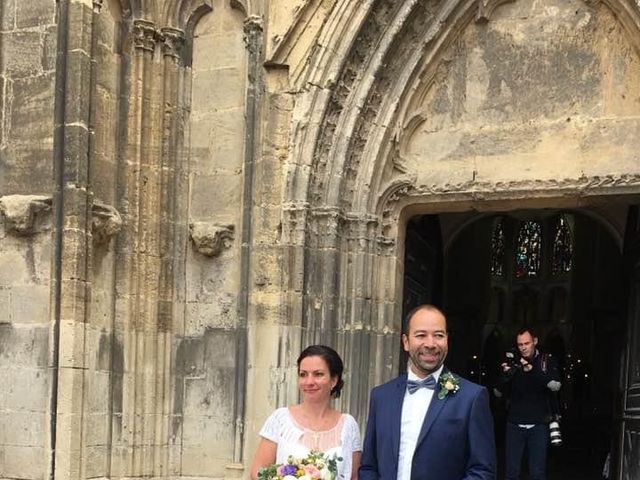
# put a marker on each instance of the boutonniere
(448, 385)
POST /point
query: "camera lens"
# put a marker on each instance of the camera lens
(554, 434)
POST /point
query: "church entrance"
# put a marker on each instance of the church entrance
(560, 272)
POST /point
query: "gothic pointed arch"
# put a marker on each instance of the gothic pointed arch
(374, 43)
(183, 14)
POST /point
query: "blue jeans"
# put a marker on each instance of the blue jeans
(534, 440)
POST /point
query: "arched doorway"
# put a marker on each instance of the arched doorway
(560, 272)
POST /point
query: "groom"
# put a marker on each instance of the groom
(428, 424)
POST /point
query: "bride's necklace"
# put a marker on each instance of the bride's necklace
(315, 439)
(315, 436)
(319, 431)
(315, 427)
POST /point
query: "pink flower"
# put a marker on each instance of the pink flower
(312, 471)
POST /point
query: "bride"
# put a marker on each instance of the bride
(313, 424)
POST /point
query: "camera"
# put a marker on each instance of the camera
(512, 359)
(554, 433)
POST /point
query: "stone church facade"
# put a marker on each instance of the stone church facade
(193, 190)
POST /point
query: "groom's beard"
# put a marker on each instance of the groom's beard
(427, 360)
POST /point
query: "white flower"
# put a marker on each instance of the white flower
(449, 384)
(326, 474)
(304, 477)
(289, 477)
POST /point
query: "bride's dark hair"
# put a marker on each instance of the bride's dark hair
(333, 361)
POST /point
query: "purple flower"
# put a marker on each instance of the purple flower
(289, 470)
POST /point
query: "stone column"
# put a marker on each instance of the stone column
(72, 204)
(138, 275)
(253, 37)
(358, 305)
(172, 236)
(323, 267)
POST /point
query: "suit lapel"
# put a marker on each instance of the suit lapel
(435, 407)
(396, 416)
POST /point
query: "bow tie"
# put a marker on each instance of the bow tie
(414, 385)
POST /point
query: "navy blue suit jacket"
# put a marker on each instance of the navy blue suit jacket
(456, 441)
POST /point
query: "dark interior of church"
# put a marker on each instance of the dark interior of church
(560, 273)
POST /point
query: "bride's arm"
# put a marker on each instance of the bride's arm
(265, 456)
(355, 465)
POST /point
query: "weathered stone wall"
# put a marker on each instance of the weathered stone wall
(554, 97)
(207, 348)
(24, 348)
(27, 77)
(28, 48)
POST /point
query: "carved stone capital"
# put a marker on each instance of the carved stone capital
(21, 212)
(294, 223)
(326, 224)
(145, 35)
(362, 226)
(173, 41)
(209, 238)
(253, 26)
(97, 5)
(389, 207)
(105, 222)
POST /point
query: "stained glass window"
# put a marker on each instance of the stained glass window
(497, 249)
(528, 250)
(562, 247)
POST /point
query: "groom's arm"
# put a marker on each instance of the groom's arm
(481, 464)
(369, 464)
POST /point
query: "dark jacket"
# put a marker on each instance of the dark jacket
(528, 392)
(456, 441)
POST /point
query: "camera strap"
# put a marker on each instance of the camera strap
(544, 358)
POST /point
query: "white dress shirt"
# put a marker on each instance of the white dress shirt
(414, 409)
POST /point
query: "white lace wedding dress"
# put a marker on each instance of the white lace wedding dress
(293, 439)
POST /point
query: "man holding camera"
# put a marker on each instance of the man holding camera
(528, 379)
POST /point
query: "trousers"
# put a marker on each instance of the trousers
(534, 441)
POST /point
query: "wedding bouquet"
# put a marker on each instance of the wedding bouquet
(315, 466)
